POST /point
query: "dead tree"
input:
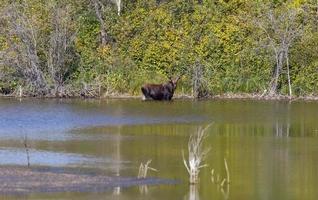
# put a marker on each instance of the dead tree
(281, 28)
(60, 54)
(197, 154)
(198, 81)
(143, 169)
(22, 46)
(98, 8)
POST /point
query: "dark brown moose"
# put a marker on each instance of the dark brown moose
(160, 91)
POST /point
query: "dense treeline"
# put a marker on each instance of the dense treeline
(111, 47)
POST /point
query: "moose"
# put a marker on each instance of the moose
(160, 91)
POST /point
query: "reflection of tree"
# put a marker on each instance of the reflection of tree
(193, 193)
(117, 157)
(282, 129)
(116, 191)
(225, 192)
(143, 189)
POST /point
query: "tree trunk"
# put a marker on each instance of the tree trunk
(197, 79)
(288, 74)
(104, 36)
(275, 78)
(118, 3)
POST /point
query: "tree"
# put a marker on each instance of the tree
(281, 26)
(99, 7)
(21, 53)
(61, 54)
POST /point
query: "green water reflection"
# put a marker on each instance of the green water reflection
(271, 148)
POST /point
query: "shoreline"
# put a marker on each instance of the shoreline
(225, 96)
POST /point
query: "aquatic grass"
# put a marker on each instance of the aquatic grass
(197, 154)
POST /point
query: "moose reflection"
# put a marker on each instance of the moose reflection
(160, 91)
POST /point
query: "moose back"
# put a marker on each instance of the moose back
(160, 91)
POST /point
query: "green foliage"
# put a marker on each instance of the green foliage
(151, 41)
(305, 65)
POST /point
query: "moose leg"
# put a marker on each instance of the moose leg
(145, 93)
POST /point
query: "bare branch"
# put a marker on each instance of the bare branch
(60, 46)
(143, 169)
(22, 49)
(197, 154)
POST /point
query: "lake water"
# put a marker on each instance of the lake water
(271, 147)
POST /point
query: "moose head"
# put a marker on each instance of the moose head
(160, 91)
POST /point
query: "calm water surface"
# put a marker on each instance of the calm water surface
(271, 146)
